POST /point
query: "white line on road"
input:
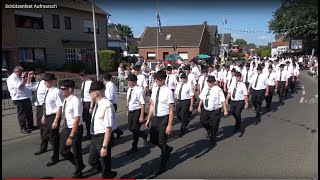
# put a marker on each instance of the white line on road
(301, 100)
(302, 86)
(303, 92)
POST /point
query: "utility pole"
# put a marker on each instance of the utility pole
(95, 40)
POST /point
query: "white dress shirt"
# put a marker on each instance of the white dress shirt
(13, 83)
(121, 73)
(165, 99)
(218, 75)
(202, 82)
(104, 117)
(236, 67)
(137, 98)
(289, 70)
(41, 91)
(195, 71)
(111, 92)
(262, 82)
(241, 91)
(244, 76)
(192, 79)
(142, 82)
(296, 72)
(86, 94)
(73, 108)
(271, 78)
(284, 75)
(215, 96)
(230, 80)
(225, 75)
(172, 81)
(53, 101)
(186, 92)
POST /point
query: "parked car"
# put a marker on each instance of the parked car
(5, 76)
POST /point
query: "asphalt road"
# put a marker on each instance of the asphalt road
(283, 145)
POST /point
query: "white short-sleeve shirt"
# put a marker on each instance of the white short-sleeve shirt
(262, 81)
(73, 108)
(172, 81)
(215, 98)
(13, 83)
(271, 78)
(186, 92)
(142, 82)
(53, 101)
(40, 89)
(137, 98)
(165, 99)
(111, 92)
(202, 82)
(86, 94)
(240, 89)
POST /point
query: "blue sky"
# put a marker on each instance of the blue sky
(241, 15)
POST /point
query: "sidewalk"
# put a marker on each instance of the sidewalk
(10, 125)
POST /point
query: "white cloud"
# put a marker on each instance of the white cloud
(264, 37)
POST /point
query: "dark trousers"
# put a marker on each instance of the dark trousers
(281, 90)
(39, 114)
(44, 141)
(95, 160)
(134, 126)
(293, 84)
(236, 108)
(182, 112)
(269, 97)
(289, 85)
(65, 152)
(86, 116)
(117, 131)
(158, 135)
(25, 114)
(257, 98)
(210, 120)
(51, 135)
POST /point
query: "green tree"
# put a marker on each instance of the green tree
(107, 59)
(133, 49)
(293, 20)
(240, 42)
(205, 22)
(124, 29)
(265, 52)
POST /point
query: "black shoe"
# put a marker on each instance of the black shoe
(110, 175)
(170, 149)
(236, 129)
(40, 152)
(208, 135)
(51, 163)
(78, 173)
(32, 128)
(132, 151)
(145, 139)
(187, 124)
(25, 131)
(213, 143)
(119, 134)
(258, 115)
(161, 170)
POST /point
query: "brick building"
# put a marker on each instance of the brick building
(58, 35)
(187, 41)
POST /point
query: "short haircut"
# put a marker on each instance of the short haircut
(107, 77)
(83, 73)
(17, 68)
(68, 83)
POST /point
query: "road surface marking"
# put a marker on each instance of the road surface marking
(302, 87)
(303, 92)
(301, 100)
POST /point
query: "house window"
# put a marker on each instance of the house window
(70, 55)
(55, 21)
(183, 55)
(88, 26)
(26, 19)
(67, 22)
(32, 55)
(151, 55)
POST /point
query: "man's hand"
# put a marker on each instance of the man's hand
(266, 94)
(141, 119)
(90, 110)
(55, 124)
(191, 108)
(24, 74)
(103, 152)
(148, 123)
(43, 119)
(168, 130)
(227, 103)
(69, 142)
(225, 113)
(199, 109)
(246, 105)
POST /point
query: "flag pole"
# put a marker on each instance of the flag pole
(95, 40)
(157, 56)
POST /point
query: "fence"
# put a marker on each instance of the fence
(122, 88)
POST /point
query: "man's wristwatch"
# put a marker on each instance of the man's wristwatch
(71, 137)
(104, 147)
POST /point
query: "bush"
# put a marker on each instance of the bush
(74, 67)
(238, 55)
(107, 60)
(265, 53)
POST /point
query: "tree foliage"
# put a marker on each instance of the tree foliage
(293, 14)
(124, 29)
(240, 42)
(133, 49)
(205, 22)
(107, 60)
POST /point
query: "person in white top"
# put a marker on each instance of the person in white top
(235, 66)
(295, 77)
(191, 77)
(195, 70)
(289, 71)
(259, 84)
(52, 108)
(210, 70)
(72, 129)
(20, 95)
(246, 75)
(281, 83)
(152, 79)
(202, 82)
(142, 81)
(102, 125)
(171, 80)
(185, 99)
(271, 78)
(87, 103)
(161, 107)
(121, 76)
(225, 74)
(212, 99)
(136, 112)
(229, 80)
(111, 93)
(218, 73)
(238, 93)
(264, 69)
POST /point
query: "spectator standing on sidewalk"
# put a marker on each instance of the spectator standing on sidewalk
(20, 95)
(121, 76)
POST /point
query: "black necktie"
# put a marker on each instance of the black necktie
(44, 103)
(82, 90)
(247, 76)
(204, 79)
(255, 84)
(230, 81)
(167, 81)
(206, 102)
(35, 98)
(234, 91)
(180, 92)
(92, 119)
(65, 125)
(156, 103)
(280, 75)
(129, 98)
(269, 75)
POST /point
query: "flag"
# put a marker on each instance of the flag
(159, 22)
(224, 21)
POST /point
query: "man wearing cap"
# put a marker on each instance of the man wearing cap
(271, 77)
(102, 125)
(171, 80)
(235, 66)
(20, 94)
(238, 93)
(230, 80)
(289, 71)
(161, 108)
(202, 82)
(185, 99)
(52, 108)
(217, 73)
(259, 84)
(212, 100)
(246, 75)
(72, 129)
(87, 103)
(281, 83)
(136, 110)
(142, 82)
